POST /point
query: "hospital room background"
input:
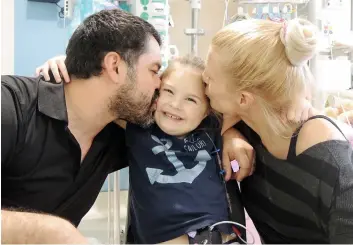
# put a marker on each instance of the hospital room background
(36, 30)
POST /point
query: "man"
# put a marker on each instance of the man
(58, 142)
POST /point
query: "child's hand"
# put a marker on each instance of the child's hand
(57, 66)
(235, 147)
(299, 111)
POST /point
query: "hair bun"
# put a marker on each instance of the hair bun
(299, 37)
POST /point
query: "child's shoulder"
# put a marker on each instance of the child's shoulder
(134, 130)
(135, 127)
(212, 122)
(209, 130)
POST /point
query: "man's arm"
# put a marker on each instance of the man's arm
(10, 121)
(24, 227)
(32, 228)
(339, 154)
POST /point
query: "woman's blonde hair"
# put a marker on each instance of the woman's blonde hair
(268, 59)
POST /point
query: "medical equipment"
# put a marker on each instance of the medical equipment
(225, 18)
(239, 17)
(157, 13)
(275, 14)
(334, 18)
(343, 102)
(45, 1)
(194, 31)
(235, 224)
(75, 11)
(68, 9)
(276, 10)
(236, 231)
(334, 59)
(173, 51)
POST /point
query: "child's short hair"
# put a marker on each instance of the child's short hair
(188, 60)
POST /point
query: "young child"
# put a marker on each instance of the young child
(176, 185)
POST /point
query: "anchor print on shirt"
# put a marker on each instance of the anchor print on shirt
(183, 175)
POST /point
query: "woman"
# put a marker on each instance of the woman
(302, 188)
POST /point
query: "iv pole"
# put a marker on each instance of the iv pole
(194, 32)
(318, 96)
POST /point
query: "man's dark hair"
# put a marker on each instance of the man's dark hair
(107, 31)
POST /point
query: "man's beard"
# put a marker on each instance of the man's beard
(131, 105)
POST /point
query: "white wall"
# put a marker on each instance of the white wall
(7, 37)
(210, 19)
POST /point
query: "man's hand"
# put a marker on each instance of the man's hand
(57, 67)
(33, 228)
(235, 147)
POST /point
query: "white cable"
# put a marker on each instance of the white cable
(330, 43)
(229, 204)
(236, 224)
(225, 18)
(344, 111)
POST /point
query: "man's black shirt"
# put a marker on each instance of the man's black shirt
(41, 160)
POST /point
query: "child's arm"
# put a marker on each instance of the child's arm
(57, 66)
(299, 111)
(121, 123)
(236, 147)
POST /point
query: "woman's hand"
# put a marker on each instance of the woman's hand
(57, 66)
(235, 147)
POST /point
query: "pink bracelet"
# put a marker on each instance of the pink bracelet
(235, 165)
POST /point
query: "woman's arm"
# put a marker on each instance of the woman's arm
(236, 147)
(316, 131)
(339, 219)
